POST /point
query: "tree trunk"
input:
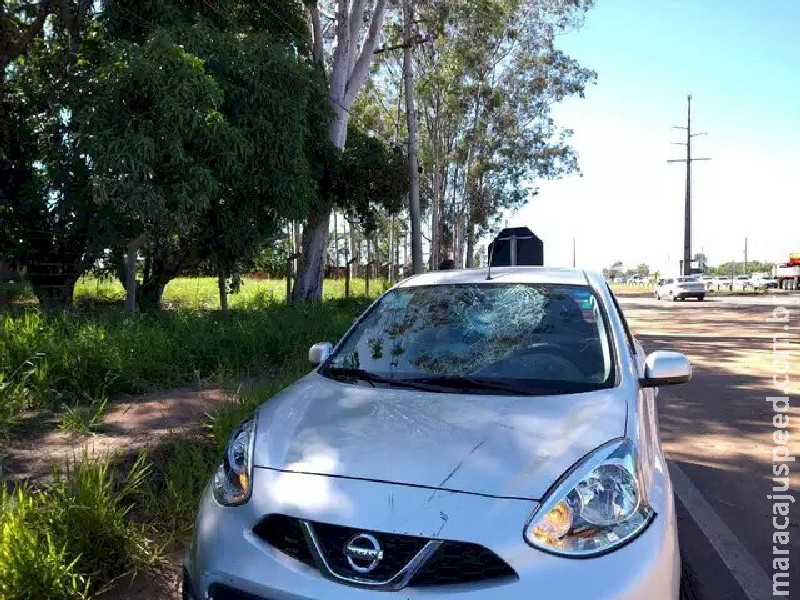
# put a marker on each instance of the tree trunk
(308, 285)
(53, 290)
(336, 241)
(435, 237)
(352, 267)
(390, 272)
(222, 285)
(149, 295)
(413, 160)
(470, 242)
(347, 78)
(131, 257)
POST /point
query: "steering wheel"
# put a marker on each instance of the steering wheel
(559, 356)
(547, 348)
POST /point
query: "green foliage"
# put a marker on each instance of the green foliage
(82, 420)
(178, 473)
(51, 360)
(32, 564)
(486, 86)
(738, 268)
(74, 536)
(369, 177)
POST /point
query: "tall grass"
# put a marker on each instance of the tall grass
(51, 360)
(74, 536)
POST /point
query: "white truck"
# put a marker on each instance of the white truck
(788, 275)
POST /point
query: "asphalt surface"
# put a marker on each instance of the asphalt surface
(717, 433)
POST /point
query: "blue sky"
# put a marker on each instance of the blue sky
(741, 62)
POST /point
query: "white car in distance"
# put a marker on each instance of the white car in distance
(742, 282)
(707, 281)
(723, 282)
(680, 288)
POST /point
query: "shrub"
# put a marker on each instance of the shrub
(81, 420)
(87, 511)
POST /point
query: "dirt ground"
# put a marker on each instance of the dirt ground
(130, 425)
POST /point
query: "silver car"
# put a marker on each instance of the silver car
(473, 435)
(681, 288)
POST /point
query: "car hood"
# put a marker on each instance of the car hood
(504, 446)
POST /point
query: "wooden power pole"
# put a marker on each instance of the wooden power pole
(687, 223)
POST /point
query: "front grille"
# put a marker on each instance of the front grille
(217, 591)
(459, 562)
(453, 562)
(398, 550)
(285, 534)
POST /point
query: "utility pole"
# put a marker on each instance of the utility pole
(687, 223)
(573, 253)
(745, 256)
(413, 160)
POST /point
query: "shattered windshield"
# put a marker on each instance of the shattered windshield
(466, 336)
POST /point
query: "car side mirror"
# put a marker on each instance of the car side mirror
(319, 353)
(666, 368)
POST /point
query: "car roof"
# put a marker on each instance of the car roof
(546, 275)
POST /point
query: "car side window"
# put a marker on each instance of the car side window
(628, 334)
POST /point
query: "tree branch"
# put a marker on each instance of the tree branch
(316, 32)
(361, 68)
(356, 22)
(341, 54)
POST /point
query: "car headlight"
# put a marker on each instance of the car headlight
(233, 479)
(596, 507)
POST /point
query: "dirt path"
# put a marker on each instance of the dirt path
(130, 425)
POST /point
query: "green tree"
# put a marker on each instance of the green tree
(357, 27)
(488, 80)
(49, 222)
(220, 149)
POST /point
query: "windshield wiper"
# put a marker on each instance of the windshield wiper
(472, 384)
(350, 374)
(443, 383)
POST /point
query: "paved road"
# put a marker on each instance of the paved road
(717, 433)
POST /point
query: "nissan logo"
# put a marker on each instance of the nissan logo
(363, 552)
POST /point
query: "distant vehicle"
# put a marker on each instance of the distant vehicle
(722, 282)
(680, 288)
(742, 282)
(788, 275)
(762, 282)
(707, 281)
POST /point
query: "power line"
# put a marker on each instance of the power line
(687, 224)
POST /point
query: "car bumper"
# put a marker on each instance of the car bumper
(226, 551)
(684, 295)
